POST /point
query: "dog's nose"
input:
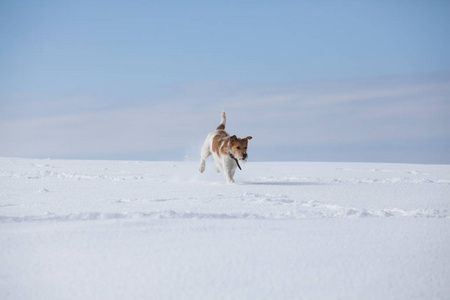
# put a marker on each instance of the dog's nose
(245, 155)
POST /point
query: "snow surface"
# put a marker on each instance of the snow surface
(161, 230)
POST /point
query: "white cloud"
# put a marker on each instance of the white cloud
(283, 115)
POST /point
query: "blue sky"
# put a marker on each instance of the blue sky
(309, 80)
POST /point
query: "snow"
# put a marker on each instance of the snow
(72, 229)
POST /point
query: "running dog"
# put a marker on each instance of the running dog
(227, 150)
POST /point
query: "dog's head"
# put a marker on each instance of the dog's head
(238, 147)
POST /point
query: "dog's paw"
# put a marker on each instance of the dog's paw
(217, 169)
(230, 180)
(202, 168)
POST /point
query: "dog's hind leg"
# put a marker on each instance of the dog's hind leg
(206, 152)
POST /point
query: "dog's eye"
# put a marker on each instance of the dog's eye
(239, 148)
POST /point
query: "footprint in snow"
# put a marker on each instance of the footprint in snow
(277, 200)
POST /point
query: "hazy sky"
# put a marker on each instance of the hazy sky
(309, 80)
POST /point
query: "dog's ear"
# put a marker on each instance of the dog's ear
(233, 139)
(248, 138)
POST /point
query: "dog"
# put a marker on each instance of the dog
(227, 150)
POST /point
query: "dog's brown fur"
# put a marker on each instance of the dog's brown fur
(222, 141)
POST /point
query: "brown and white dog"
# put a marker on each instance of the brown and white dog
(227, 150)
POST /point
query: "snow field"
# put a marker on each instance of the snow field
(160, 230)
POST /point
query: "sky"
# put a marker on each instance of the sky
(146, 80)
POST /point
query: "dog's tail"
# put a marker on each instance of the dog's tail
(223, 121)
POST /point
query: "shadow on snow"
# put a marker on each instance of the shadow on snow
(288, 183)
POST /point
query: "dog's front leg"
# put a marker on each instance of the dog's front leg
(229, 173)
(229, 177)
